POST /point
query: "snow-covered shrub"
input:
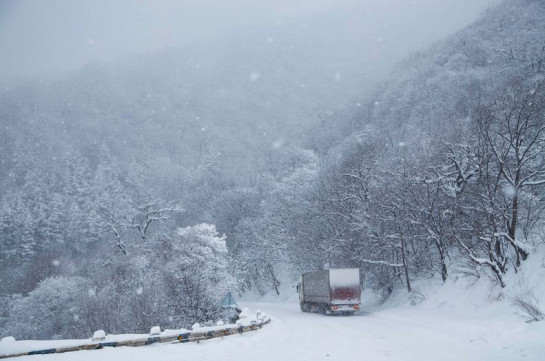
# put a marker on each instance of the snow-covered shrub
(193, 264)
(52, 310)
(527, 305)
(102, 308)
(6, 304)
(146, 302)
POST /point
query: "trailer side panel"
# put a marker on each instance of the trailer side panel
(316, 286)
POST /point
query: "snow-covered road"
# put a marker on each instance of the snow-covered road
(408, 333)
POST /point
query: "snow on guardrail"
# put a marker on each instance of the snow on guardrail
(167, 336)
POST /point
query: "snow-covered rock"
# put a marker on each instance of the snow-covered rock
(220, 323)
(9, 339)
(196, 326)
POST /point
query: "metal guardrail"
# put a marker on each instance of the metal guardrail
(191, 336)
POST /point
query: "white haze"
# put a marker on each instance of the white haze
(58, 35)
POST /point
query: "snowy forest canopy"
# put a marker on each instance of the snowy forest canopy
(134, 195)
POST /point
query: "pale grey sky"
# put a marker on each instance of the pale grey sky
(57, 35)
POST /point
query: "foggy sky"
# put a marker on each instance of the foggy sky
(39, 36)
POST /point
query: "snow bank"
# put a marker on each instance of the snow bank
(462, 295)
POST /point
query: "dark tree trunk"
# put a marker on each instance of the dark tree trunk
(405, 267)
(442, 257)
(521, 253)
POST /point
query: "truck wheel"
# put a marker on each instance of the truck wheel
(322, 308)
(305, 307)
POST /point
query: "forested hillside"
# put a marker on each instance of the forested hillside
(134, 190)
(447, 174)
(100, 168)
(444, 178)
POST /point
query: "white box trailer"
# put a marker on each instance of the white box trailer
(330, 291)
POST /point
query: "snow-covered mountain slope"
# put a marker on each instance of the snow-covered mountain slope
(434, 91)
(432, 103)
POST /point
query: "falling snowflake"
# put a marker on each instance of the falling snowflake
(509, 191)
(277, 144)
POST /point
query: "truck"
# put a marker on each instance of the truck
(331, 291)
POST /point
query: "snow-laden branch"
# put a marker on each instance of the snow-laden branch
(514, 242)
(383, 263)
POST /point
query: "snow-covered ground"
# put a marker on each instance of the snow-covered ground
(402, 333)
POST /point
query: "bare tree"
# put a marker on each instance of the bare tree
(495, 176)
(147, 214)
(150, 213)
(513, 131)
